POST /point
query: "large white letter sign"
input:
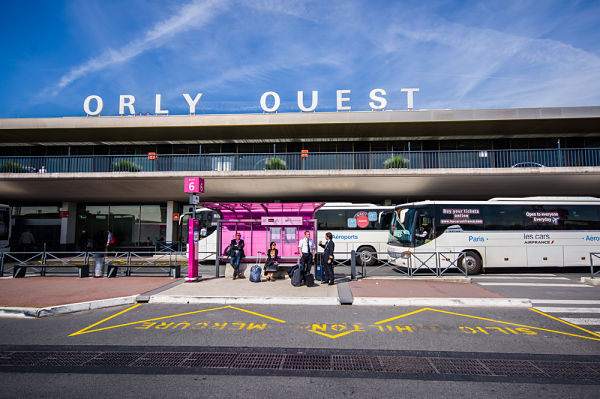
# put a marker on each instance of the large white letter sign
(409, 97)
(128, 104)
(192, 103)
(313, 105)
(157, 107)
(263, 101)
(381, 100)
(99, 105)
(341, 99)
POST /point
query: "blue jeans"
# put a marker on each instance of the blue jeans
(235, 262)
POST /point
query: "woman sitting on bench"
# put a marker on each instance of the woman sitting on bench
(271, 265)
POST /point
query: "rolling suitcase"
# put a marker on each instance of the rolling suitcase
(255, 272)
(319, 272)
(297, 277)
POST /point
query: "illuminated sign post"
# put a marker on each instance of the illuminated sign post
(193, 186)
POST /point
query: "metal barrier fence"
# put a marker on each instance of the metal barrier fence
(41, 262)
(569, 157)
(594, 255)
(438, 263)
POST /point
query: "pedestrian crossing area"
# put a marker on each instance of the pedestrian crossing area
(557, 291)
(528, 280)
(584, 313)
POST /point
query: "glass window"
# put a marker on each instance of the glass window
(504, 217)
(276, 235)
(460, 217)
(291, 236)
(124, 223)
(94, 220)
(330, 219)
(576, 217)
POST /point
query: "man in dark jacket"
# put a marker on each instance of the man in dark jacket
(237, 253)
(327, 260)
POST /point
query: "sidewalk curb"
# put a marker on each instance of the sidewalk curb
(591, 281)
(17, 312)
(445, 302)
(443, 279)
(222, 300)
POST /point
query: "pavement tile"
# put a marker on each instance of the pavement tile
(51, 291)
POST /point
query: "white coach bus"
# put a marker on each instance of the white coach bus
(363, 228)
(501, 232)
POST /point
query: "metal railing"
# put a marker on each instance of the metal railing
(594, 255)
(437, 263)
(41, 262)
(570, 157)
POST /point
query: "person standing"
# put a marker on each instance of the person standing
(237, 253)
(110, 241)
(327, 260)
(307, 248)
(83, 241)
(27, 240)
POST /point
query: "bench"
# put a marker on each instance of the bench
(20, 270)
(113, 267)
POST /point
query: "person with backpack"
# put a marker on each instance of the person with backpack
(110, 241)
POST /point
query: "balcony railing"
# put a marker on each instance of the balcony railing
(571, 157)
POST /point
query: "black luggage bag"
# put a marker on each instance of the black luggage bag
(297, 277)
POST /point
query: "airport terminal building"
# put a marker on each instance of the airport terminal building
(65, 175)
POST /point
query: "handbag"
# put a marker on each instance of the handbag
(227, 251)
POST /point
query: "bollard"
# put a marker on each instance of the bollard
(353, 265)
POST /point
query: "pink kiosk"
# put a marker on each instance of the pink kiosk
(260, 224)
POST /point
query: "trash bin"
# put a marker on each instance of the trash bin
(99, 264)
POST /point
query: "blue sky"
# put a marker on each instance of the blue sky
(460, 54)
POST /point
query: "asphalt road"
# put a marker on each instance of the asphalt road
(149, 343)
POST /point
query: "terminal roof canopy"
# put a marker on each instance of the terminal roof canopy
(256, 210)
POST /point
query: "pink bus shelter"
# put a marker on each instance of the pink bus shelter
(263, 223)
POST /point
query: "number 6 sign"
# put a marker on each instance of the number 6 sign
(194, 185)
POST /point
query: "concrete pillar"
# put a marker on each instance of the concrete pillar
(67, 224)
(171, 235)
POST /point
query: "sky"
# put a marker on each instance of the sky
(459, 54)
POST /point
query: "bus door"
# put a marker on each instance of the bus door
(423, 233)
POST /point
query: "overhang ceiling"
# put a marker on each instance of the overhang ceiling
(380, 125)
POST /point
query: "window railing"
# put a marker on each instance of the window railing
(571, 157)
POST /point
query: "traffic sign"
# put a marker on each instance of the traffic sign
(194, 185)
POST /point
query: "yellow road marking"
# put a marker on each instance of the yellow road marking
(486, 319)
(334, 336)
(566, 322)
(257, 314)
(402, 315)
(86, 330)
(102, 321)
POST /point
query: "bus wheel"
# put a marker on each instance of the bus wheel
(366, 255)
(471, 261)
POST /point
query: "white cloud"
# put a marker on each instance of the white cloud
(193, 15)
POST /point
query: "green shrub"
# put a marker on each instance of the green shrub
(275, 163)
(395, 162)
(125, 166)
(13, 167)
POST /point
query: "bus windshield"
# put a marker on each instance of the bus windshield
(401, 228)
